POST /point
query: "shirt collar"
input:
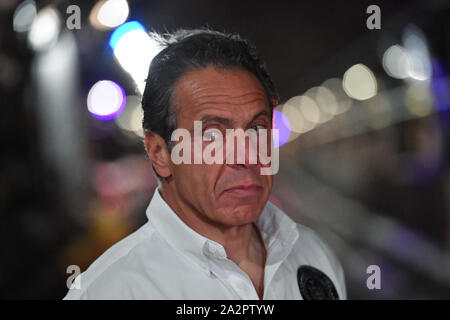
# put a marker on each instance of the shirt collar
(278, 231)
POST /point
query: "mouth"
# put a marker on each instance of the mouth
(243, 190)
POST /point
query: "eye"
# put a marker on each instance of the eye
(258, 127)
(211, 134)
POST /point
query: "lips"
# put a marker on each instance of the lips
(243, 190)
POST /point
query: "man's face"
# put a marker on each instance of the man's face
(225, 194)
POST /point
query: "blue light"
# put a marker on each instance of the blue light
(123, 29)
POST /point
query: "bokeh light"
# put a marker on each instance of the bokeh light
(24, 16)
(359, 82)
(412, 61)
(343, 102)
(130, 120)
(106, 100)
(326, 102)
(44, 29)
(282, 124)
(309, 109)
(134, 49)
(301, 113)
(93, 16)
(419, 99)
(415, 43)
(293, 116)
(113, 13)
(396, 62)
(107, 14)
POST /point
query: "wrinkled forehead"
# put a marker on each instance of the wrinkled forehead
(230, 93)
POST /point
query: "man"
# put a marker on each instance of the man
(211, 234)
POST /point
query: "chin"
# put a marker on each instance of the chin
(243, 214)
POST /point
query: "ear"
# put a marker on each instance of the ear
(158, 153)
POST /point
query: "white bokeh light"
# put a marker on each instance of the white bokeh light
(134, 49)
(106, 100)
(410, 61)
(113, 13)
(416, 46)
(359, 82)
(302, 113)
(343, 102)
(325, 101)
(396, 62)
(44, 29)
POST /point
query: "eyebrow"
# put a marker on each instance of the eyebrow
(228, 122)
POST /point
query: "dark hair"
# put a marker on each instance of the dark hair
(187, 50)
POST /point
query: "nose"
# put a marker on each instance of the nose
(241, 150)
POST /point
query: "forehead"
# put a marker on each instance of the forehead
(229, 92)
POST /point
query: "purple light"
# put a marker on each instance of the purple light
(281, 122)
(439, 86)
(106, 100)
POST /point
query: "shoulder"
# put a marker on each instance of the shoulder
(315, 251)
(110, 276)
(308, 247)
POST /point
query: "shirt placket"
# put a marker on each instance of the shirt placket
(231, 276)
(278, 251)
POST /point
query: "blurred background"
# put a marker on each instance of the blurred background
(364, 121)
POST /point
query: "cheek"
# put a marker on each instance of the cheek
(197, 178)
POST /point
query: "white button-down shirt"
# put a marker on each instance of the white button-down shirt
(166, 259)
